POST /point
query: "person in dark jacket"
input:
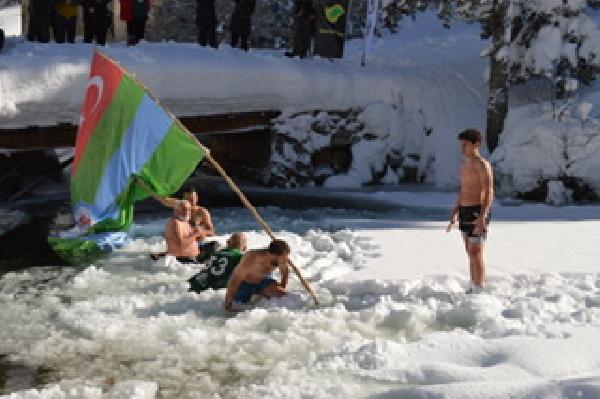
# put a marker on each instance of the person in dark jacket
(95, 20)
(206, 21)
(304, 23)
(135, 14)
(1, 39)
(64, 22)
(39, 21)
(241, 22)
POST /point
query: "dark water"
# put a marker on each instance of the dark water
(16, 377)
(293, 210)
(26, 245)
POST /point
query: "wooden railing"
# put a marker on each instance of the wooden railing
(63, 135)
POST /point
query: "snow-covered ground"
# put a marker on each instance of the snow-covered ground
(394, 320)
(51, 78)
(10, 20)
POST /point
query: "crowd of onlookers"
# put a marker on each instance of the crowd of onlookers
(240, 25)
(58, 18)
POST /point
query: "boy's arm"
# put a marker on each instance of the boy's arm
(209, 229)
(284, 269)
(232, 288)
(186, 239)
(454, 214)
(239, 273)
(487, 191)
(166, 201)
(487, 187)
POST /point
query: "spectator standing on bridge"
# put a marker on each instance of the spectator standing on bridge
(95, 20)
(39, 21)
(206, 22)
(135, 14)
(64, 22)
(304, 25)
(241, 22)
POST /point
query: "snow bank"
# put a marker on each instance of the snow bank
(405, 90)
(550, 142)
(191, 84)
(10, 20)
(343, 181)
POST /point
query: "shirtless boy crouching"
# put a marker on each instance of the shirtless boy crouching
(252, 274)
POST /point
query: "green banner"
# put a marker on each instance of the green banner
(331, 28)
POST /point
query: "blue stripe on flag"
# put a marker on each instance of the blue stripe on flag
(147, 130)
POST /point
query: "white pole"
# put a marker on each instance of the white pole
(371, 22)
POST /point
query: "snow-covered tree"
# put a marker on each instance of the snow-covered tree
(555, 39)
(495, 25)
(395, 10)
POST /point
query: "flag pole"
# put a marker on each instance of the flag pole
(258, 218)
(369, 30)
(223, 174)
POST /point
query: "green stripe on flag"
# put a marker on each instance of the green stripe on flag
(172, 163)
(106, 140)
(76, 251)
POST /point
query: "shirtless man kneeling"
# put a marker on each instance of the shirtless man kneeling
(473, 205)
(180, 236)
(252, 274)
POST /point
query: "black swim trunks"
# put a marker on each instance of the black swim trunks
(207, 249)
(466, 222)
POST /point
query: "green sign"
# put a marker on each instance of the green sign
(331, 28)
(334, 13)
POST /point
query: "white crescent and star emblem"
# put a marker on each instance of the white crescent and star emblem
(99, 83)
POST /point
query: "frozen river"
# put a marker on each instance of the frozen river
(394, 320)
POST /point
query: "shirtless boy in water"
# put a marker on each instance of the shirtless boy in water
(180, 236)
(200, 219)
(473, 205)
(252, 274)
(199, 215)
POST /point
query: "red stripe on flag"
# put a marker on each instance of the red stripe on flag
(105, 77)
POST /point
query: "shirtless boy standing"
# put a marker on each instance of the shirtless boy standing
(252, 274)
(473, 205)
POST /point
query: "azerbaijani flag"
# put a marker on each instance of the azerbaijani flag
(123, 134)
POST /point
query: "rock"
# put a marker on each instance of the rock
(343, 137)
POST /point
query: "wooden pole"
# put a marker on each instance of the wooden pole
(257, 216)
(228, 179)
